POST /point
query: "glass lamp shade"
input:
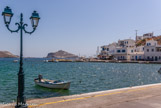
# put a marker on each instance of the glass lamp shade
(35, 19)
(7, 14)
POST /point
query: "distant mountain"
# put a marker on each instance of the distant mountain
(6, 54)
(61, 54)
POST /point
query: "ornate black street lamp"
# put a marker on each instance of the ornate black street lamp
(7, 14)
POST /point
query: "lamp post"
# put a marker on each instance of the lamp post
(7, 14)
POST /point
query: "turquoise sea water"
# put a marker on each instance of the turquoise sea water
(85, 77)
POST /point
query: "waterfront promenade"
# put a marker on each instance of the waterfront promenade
(148, 96)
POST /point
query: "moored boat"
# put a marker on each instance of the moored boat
(15, 61)
(54, 84)
(45, 61)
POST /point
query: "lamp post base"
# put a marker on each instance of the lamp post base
(21, 106)
(21, 102)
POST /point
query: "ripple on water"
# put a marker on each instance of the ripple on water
(85, 77)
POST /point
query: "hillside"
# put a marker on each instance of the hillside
(143, 42)
(6, 54)
(61, 54)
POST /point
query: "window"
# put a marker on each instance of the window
(123, 51)
(132, 51)
(118, 51)
(148, 58)
(140, 57)
(148, 44)
(143, 48)
(152, 50)
(147, 50)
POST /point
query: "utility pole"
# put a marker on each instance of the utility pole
(136, 34)
(97, 52)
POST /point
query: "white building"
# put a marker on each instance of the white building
(127, 49)
(145, 36)
(120, 50)
(126, 43)
(129, 53)
(123, 53)
(137, 53)
(124, 49)
(108, 50)
(148, 35)
(152, 51)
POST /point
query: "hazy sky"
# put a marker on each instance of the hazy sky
(78, 26)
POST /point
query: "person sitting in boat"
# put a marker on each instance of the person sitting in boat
(40, 77)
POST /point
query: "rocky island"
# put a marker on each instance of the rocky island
(6, 54)
(61, 54)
